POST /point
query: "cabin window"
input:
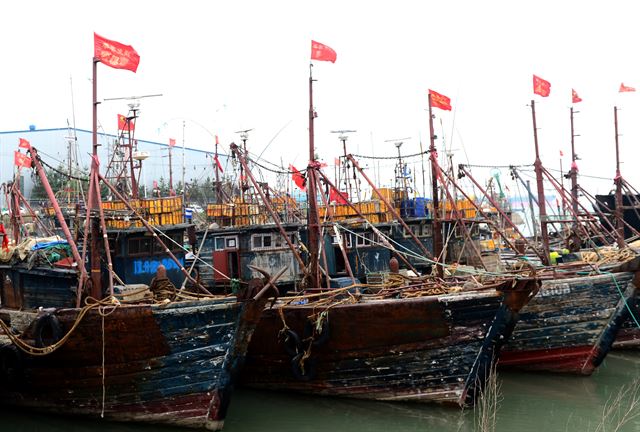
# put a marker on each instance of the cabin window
(219, 243)
(231, 243)
(270, 241)
(139, 246)
(365, 239)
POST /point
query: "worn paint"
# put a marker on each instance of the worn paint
(173, 364)
(570, 325)
(428, 349)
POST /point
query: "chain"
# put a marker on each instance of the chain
(496, 166)
(389, 157)
(86, 179)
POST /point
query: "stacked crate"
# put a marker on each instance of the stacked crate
(373, 211)
(465, 208)
(156, 211)
(238, 214)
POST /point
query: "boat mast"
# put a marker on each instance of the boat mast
(312, 212)
(437, 232)
(618, 183)
(96, 285)
(218, 200)
(573, 173)
(541, 200)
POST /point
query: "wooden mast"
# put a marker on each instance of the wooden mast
(218, 200)
(312, 212)
(437, 231)
(573, 172)
(618, 182)
(541, 200)
(96, 285)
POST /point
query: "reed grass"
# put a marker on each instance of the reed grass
(488, 403)
(620, 408)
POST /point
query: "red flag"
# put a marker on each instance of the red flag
(440, 101)
(172, 142)
(541, 87)
(337, 197)
(337, 161)
(624, 88)
(155, 184)
(23, 143)
(298, 178)
(5, 238)
(561, 153)
(218, 163)
(574, 97)
(322, 52)
(217, 142)
(115, 54)
(122, 124)
(21, 160)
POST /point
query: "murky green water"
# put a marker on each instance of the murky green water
(530, 402)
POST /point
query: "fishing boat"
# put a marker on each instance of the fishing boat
(72, 344)
(395, 347)
(414, 339)
(571, 324)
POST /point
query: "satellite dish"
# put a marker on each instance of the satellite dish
(140, 155)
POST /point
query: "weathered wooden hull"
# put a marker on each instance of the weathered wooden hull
(570, 325)
(629, 335)
(173, 364)
(428, 349)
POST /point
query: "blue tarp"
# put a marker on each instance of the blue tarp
(45, 245)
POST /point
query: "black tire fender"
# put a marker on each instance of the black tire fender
(291, 342)
(47, 330)
(322, 337)
(303, 371)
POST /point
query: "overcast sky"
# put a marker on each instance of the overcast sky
(226, 66)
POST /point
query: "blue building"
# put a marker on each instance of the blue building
(54, 147)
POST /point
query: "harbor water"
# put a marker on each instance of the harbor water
(533, 402)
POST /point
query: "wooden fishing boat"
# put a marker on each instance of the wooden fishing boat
(172, 363)
(433, 348)
(571, 324)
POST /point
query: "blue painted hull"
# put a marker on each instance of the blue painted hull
(570, 325)
(174, 364)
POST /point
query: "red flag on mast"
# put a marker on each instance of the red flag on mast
(574, 96)
(122, 124)
(172, 142)
(322, 52)
(298, 178)
(440, 101)
(21, 160)
(23, 143)
(624, 88)
(115, 54)
(541, 87)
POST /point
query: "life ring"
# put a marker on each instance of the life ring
(320, 337)
(10, 366)
(292, 344)
(47, 330)
(303, 371)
